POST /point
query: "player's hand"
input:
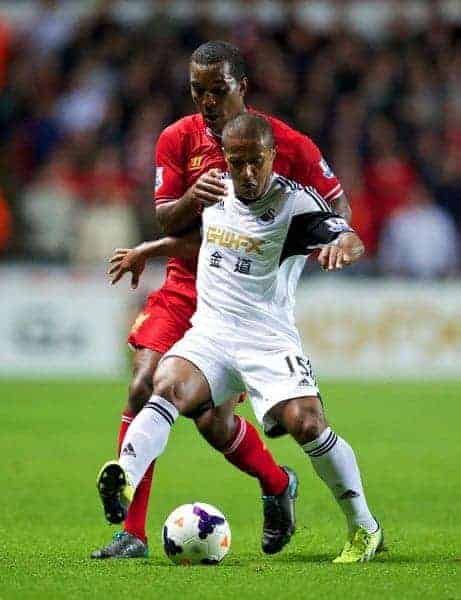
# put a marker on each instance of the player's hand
(209, 188)
(126, 260)
(347, 249)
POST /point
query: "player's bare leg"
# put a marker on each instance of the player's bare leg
(132, 541)
(145, 362)
(335, 463)
(241, 445)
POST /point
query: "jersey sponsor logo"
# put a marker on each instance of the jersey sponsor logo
(243, 265)
(328, 173)
(235, 241)
(195, 163)
(158, 177)
(215, 259)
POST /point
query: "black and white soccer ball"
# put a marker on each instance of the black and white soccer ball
(195, 534)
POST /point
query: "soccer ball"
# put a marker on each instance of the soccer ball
(196, 534)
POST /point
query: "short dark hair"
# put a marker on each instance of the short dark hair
(249, 125)
(216, 51)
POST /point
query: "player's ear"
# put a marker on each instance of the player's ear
(243, 85)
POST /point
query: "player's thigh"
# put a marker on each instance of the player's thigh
(183, 384)
(208, 356)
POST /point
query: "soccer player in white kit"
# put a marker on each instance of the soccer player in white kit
(244, 337)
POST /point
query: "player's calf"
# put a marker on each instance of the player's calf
(218, 426)
(139, 392)
(141, 386)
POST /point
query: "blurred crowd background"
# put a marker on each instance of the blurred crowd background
(85, 92)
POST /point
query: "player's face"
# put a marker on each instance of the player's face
(217, 95)
(250, 165)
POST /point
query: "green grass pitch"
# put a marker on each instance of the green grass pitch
(55, 435)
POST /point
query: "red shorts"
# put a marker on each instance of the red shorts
(163, 321)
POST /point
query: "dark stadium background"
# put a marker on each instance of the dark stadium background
(85, 89)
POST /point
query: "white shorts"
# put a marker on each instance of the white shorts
(270, 368)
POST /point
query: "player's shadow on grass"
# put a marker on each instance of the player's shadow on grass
(300, 558)
(402, 559)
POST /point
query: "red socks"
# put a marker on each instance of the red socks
(249, 454)
(127, 417)
(135, 522)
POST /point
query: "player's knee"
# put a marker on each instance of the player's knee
(140, 391)
(308, 428)
(168, 387)
(305, 421)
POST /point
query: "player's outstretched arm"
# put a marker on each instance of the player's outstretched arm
(133, 260)
(345, 250)
(177, 215)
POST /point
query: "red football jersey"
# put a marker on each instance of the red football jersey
(188, 148)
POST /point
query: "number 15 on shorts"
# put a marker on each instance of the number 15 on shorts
(300, 366)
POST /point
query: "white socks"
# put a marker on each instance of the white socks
(334, 461)
(147, 437)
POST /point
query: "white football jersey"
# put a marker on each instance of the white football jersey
(252, 256)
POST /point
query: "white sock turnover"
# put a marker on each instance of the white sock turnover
(147, 437)
(334, 461)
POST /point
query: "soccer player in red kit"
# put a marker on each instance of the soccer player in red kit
(188, 161)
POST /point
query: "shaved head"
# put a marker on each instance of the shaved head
(249, 150)
(249, 126)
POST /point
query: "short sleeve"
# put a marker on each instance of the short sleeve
(169, 167)
(311, 169)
